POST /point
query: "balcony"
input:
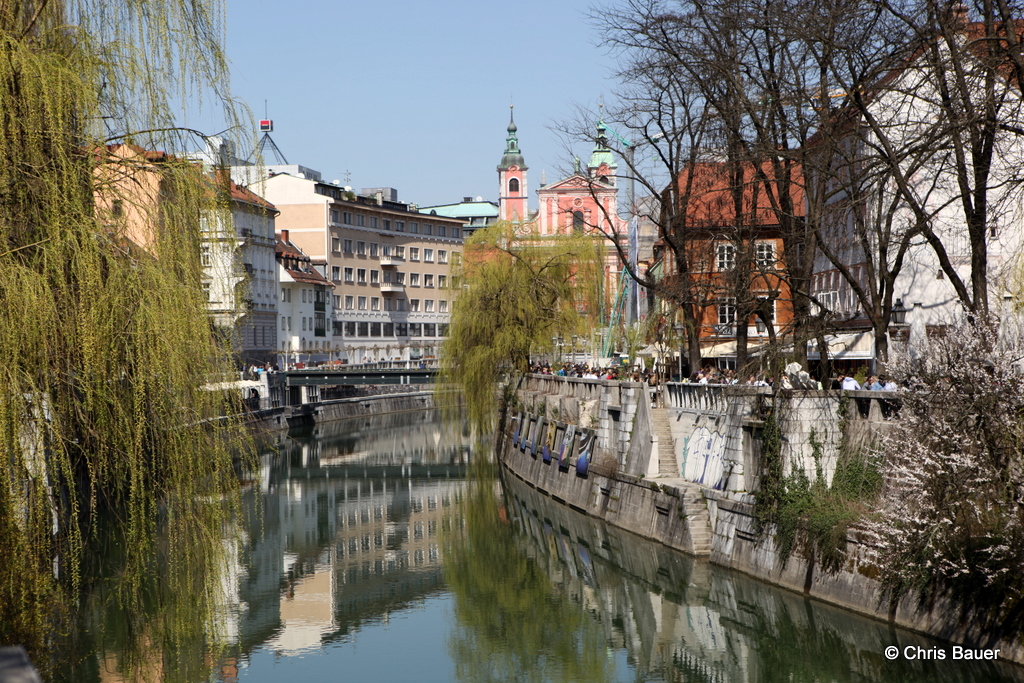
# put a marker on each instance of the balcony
(391, 260)
(392, 287)
(725, 330)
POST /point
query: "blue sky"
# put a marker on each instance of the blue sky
(415, 95)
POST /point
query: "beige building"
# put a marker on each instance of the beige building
(389, 264)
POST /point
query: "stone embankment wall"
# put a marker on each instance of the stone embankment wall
(326, 411)
(684, 471)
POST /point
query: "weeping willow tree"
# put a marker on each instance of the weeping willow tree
(105, 341)
(520, 291)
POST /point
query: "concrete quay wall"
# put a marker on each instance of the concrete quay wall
(279, 419)
(715, 446)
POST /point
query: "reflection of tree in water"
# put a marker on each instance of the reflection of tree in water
(681, 619)
(511, 624)
(807, 650)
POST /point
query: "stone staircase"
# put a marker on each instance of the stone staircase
(697, 515)
(667, 466)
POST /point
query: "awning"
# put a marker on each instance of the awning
(858, 346)
(720, 350)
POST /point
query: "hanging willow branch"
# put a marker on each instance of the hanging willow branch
(105, 338)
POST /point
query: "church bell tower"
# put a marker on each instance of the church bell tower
(512, 191)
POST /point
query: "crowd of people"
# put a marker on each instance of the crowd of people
(711, 375)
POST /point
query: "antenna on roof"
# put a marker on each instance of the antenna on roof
(267, 127)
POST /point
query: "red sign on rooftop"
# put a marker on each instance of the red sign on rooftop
(266, 126)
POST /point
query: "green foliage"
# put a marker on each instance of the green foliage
(512, 624)
(106, 341)
(521, 290)
(813, 515)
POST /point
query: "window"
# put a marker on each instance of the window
(456, 257)
(428, 229)
(374, 277)
(441, 230)
(350, 329)
(726, 256)
(361, 276)
(364, 329)
(388, 304)
(348, 218)
(389, 329)
(337, 301)
(303, 296)
(387, 277)
(428, 306)
(428, 280)
(400, 278)
(387, 224)
(348, 246)
(286, 294)
(414, 228)
(401, 329)
(303, 323)
(456, 232)
(206, 291)
(442, 329)
(335, 273)
(513, 186)
(373, 222)
(360, 248)
(414, 305)
(764, 255)
(373, 249)
(442, 306)
(429, 330)
(442, 256)
(335, 244)
(399, 252)
(399, 226)
(362, 303)
(414, 279)
(385, 250)
(415, 330)
(375, 303)
(428, 255)
(727, 310)
(348, 275)
(442, 281)
(374, 329)
(283, 328)
(360, 220)
(577, 221)
(414, 254)
(334, 215)
(401, 304)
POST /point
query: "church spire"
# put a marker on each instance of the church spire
(512, 156)
(512, 190)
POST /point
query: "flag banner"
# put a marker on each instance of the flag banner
(566, 450)
(587, 440)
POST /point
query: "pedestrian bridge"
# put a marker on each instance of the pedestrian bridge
(358, 375)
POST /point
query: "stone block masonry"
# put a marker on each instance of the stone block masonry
(693, 487)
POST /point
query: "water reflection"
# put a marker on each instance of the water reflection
(344, 529)
(682, 619)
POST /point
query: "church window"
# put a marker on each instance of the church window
(513, 185)
(577, 220)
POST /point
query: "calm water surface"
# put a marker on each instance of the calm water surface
(371, 550)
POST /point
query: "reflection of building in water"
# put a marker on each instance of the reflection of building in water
(680, 618)
(335, 546)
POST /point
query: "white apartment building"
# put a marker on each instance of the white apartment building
(389, 265)
(240, 273)
(304, 307)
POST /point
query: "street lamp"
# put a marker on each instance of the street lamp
(899, 313)
(678, 329)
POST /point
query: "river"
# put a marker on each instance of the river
(387, 549)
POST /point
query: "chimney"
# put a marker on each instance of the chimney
(467, 199)
(284, 235)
